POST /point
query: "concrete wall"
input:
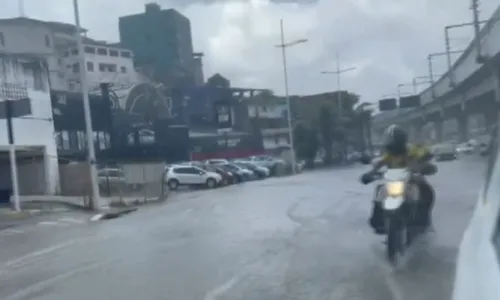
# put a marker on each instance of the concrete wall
(75, 179)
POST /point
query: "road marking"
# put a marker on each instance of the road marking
(97, 217)
(48, 223)
(72, 220)
(222, 289)
(41, 285)
(25, 258)
(10, 231)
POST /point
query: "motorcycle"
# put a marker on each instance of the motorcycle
(400, 197)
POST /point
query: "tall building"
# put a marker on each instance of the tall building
(161, 42)
(199, 78)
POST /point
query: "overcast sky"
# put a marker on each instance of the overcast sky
(386, 40)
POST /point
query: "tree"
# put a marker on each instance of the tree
(305, 143)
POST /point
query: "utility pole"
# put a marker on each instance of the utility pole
(87, 113)
(283, 47)
(431, 71)
(448, 45)
(20, 4)
(12, 153)
(480, 58)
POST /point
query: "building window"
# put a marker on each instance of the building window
(123, 69)
(126, 54)
(102, 51)
(47, 40)
(107, 67)
(38, 79)
(2, 39)
(88, 49)
(71, 86)
(66, 54)
(76, 68)
(113, 53)
(74, 51)
(90, 66)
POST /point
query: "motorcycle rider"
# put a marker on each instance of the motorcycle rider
(398, 154)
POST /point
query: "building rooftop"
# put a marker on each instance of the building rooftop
(56, 26)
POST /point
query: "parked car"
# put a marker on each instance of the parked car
(111, 179)
(178, 175)
(267, 161)
(465, 148)
(238, 176)
(244, 173)
(216, 161)
(227, 176)
(445, 152)
(259, 171)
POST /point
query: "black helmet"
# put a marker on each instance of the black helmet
(395, 140)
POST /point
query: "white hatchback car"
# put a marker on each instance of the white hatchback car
(177, 175)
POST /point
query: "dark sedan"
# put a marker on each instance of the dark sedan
(227, 176)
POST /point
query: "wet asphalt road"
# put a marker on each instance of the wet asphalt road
(302, 237)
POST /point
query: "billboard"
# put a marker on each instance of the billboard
(409, 101)
(387, 104)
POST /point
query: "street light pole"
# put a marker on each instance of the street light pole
(340, 107)
(86, 108)
(448, 44)
(338, 72)
(283, 46)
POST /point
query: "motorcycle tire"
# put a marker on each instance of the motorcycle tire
(396, 236)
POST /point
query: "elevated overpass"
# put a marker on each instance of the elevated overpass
(465, 99)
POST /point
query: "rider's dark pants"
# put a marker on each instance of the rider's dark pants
(377, 221)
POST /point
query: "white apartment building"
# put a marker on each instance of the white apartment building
(24, 75)
(104, 63)
(56, 42)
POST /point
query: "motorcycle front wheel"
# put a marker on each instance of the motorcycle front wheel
(396, 238)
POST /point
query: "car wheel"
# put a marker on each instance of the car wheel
(173, 184)
(211, 183)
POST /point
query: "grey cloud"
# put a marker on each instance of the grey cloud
(387, 40)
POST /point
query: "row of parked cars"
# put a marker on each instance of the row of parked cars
(220, 172)
(451, 151)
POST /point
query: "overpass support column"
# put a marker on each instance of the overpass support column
(495, 116)
(438, 131)
(463, 127)
(491, 119)
(417, 130)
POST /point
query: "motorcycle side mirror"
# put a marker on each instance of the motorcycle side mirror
(365, 160)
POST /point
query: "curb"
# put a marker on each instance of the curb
(113, 214)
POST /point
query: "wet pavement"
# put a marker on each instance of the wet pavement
(302, 237)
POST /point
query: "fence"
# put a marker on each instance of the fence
(132, 182)
(119, 184)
